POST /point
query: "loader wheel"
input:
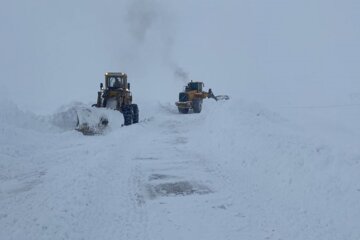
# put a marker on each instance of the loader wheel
(135, 110)
(197, 106)
(183, 110)
(128, 115)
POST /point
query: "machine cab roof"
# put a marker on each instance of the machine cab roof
(194, 86)
(116, 80)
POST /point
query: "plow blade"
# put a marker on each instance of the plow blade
(91, 121)
(85, 119)
(183, 104)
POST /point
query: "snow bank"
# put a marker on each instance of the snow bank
(288, 185)
(235, 171)
(12, 116)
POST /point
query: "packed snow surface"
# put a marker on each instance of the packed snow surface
(235, 171)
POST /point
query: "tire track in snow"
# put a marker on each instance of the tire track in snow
(176, 174)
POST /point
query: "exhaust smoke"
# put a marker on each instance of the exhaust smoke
(149, 16)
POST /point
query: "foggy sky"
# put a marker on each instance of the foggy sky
(272, 51)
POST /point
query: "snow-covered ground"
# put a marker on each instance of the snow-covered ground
(235, 171)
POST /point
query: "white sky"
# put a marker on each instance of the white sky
(275, 52)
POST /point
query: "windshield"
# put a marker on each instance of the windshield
(195, 86)
(116, 82)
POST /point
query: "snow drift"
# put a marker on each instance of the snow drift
(235, 171)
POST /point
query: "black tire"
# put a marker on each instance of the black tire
(135, 110)
(128, 115)
(183, 110)
(197, 105)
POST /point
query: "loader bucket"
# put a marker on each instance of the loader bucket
(222, 97)
(90, 121)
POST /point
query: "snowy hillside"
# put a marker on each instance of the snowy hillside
(235, 171)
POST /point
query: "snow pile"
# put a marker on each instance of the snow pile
(79, 115)
(12, 116)
(66, 116)
(287, 185)
(235, 171)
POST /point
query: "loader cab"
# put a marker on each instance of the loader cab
(116, 81)
(194, 86)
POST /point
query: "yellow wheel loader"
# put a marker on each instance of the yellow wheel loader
(192, 97)
(115, 95)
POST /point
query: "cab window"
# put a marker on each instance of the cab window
(115, 82)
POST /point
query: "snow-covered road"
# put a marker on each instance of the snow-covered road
(235, 171)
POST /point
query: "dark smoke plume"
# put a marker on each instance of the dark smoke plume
(180, 74)
(146, 15)
(141, 16)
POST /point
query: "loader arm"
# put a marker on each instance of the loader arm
(210, 94)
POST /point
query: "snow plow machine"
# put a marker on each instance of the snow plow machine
(192, 97)
(115, 95)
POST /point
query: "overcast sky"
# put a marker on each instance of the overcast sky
(278, 52)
